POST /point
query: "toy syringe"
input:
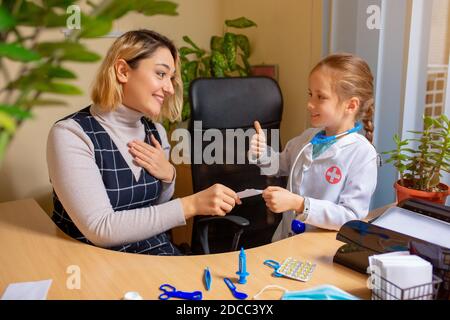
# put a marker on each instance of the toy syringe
(242, 273)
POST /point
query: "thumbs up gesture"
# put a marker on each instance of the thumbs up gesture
(258, 142)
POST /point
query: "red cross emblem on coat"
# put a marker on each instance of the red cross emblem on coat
(333, 175)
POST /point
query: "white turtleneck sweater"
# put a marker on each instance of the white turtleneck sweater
(77, 181)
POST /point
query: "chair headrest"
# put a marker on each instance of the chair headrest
(224, 103)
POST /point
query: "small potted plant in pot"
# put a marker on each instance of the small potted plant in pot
(420, 169)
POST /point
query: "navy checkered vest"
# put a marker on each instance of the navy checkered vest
(124, 192)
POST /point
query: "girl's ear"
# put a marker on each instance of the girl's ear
(352, 105)
(122, 70)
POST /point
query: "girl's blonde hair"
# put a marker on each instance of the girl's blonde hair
(134, 46)
(351, 77)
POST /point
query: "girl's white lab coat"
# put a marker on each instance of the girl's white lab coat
(339, 182)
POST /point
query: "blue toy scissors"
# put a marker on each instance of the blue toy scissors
(170, 292)
(275, 265)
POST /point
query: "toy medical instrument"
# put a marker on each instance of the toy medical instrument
(242, 273)
(232, 287)
(170, 292)
(207, 279)
(274, 265)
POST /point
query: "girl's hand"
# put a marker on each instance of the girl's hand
(258, 142)
(152, 159)
(216, 200)
(279, 200)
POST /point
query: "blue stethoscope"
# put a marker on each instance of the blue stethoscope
(297, 226)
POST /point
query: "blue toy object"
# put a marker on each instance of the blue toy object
(321, 138)
(242, 273)
(232, 287)
(298, 227)
(275, 265)
(170, 292)
(207, 279)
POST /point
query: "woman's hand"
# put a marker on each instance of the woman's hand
(258, 142)
(152, 159)
(279, 200)
(217, 200)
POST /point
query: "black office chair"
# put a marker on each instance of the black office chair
(233, 103)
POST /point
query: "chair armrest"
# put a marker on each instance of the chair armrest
(203, 225)
(237, 220)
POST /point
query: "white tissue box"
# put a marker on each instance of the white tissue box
(399, 275)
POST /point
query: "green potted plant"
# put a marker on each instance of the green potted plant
(228, 57)
(42, 65)
(421, 168)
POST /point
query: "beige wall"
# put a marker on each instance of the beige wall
(288, 34)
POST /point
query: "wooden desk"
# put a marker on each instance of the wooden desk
(33, 248)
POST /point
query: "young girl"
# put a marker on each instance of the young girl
(332, 182)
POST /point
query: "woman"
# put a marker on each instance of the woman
(108, 163)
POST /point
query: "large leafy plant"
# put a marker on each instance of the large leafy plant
(228, 57)
(421, 168)
(41, 65)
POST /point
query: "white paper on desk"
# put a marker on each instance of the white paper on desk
(36, 290)
(248, 193)
(416, 225)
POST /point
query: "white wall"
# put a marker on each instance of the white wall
(416, 73)
(440, 32)
(394, 39)
(349, 31)
(343, 25)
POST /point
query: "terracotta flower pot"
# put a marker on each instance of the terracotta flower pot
(436, 197)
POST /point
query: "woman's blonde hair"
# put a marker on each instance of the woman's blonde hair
(351, 77)
(134, 46)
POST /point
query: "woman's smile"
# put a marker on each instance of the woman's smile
(159, 98)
